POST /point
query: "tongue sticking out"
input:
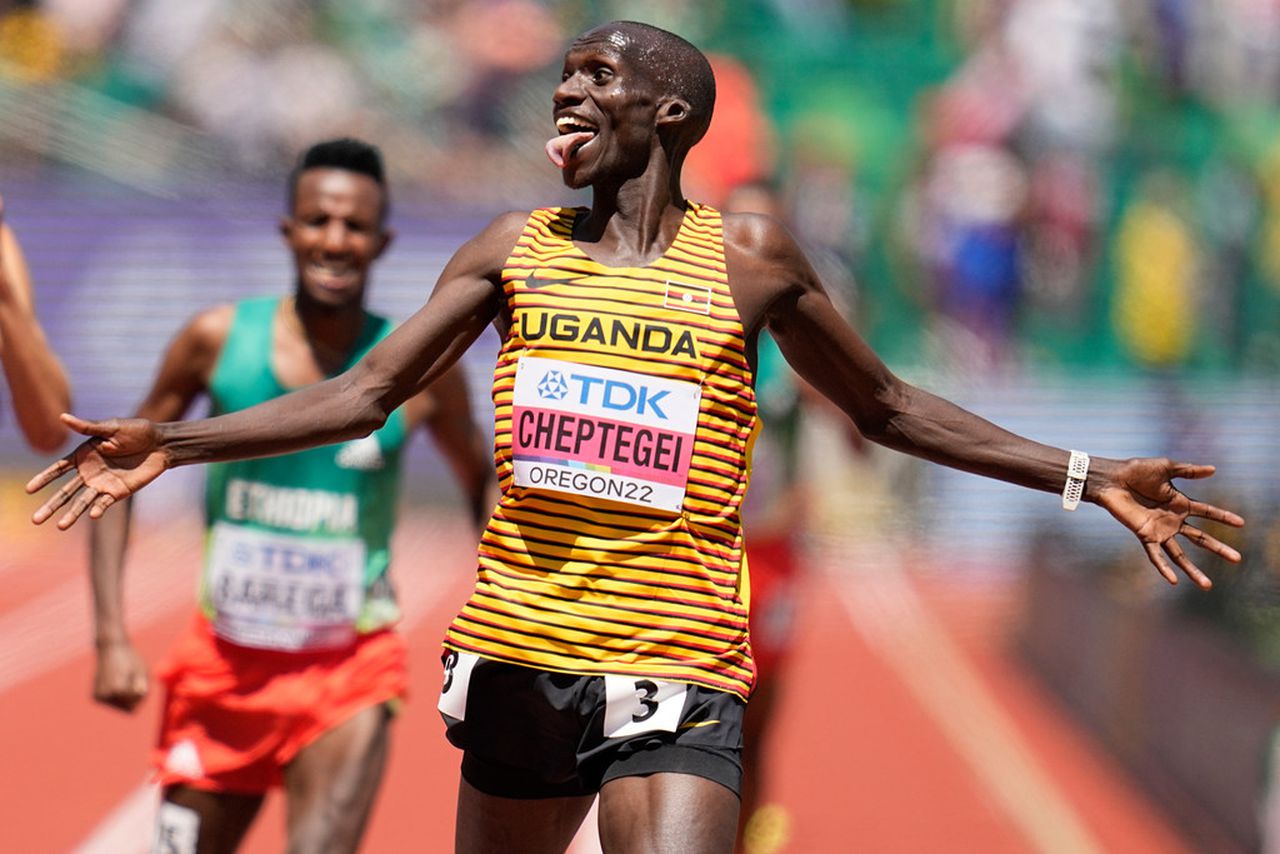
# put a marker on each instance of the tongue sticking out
(561, 148)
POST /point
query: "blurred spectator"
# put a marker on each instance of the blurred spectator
(31, 45)
(1005, 215)
(87, 26)
(1156, 253)
(739, 145)
(1269, 181)
(822, 203)
(1061, 231)
(503, 40)
(970, 204)
(1067, 89)
(1227, 211)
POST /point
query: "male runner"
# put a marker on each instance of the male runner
(605, 648)
(290, 670)
(36, 379)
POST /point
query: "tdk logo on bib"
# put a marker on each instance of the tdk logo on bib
(278, 557)
(618, 396)
(607, 394)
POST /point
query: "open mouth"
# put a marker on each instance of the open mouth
(331, 276)
(574, 134)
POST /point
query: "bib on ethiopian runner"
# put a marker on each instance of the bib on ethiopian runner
(280, 591)
(603, 432)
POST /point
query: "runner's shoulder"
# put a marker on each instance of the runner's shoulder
(507, 225)
(207, 331)
(765, 262)
(487, 252)
(759, 238)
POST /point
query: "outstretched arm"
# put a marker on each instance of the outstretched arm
(35, 376)
(124, 455)
(780, 289)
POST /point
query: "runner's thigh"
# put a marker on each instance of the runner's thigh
(332, 783)
(667, 814)
(489, 824)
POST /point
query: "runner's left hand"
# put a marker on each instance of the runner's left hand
(1141, 495)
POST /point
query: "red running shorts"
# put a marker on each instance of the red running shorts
(235, 716)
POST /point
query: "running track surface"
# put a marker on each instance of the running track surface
(908, 725)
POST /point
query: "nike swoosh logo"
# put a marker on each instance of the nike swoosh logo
(534, 282)
(697, 724)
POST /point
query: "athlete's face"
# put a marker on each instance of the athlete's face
(605, 111)
(335, 234)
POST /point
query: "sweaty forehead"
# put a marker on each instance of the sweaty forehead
(606, 39)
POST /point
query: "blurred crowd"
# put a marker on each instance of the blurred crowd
(1074, 180)
(1090, 160)
(439, 84)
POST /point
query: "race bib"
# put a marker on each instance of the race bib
(636, 705)
(603, 432)
(457, 682)
(281, 591)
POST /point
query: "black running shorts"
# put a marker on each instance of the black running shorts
(530, 733)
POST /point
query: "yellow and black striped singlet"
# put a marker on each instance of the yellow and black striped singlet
(625, 418)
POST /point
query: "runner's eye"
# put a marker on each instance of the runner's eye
(601, 76)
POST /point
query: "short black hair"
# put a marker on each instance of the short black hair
(348, 154)
(677, 66)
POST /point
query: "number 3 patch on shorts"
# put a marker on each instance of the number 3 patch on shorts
(457, 679)
(633, 706)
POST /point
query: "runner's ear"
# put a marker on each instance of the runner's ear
(673, 110)
(388, 235)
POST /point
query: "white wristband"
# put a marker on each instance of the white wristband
(1077, 471)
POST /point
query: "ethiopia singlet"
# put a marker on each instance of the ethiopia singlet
(297, 546)
(624, 418)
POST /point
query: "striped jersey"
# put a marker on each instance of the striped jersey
(624, 421)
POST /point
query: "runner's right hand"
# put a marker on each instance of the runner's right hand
(120, 680)
(122, 456)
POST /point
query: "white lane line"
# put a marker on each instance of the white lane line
(885, 610)
(128, 827)
(55, 627)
